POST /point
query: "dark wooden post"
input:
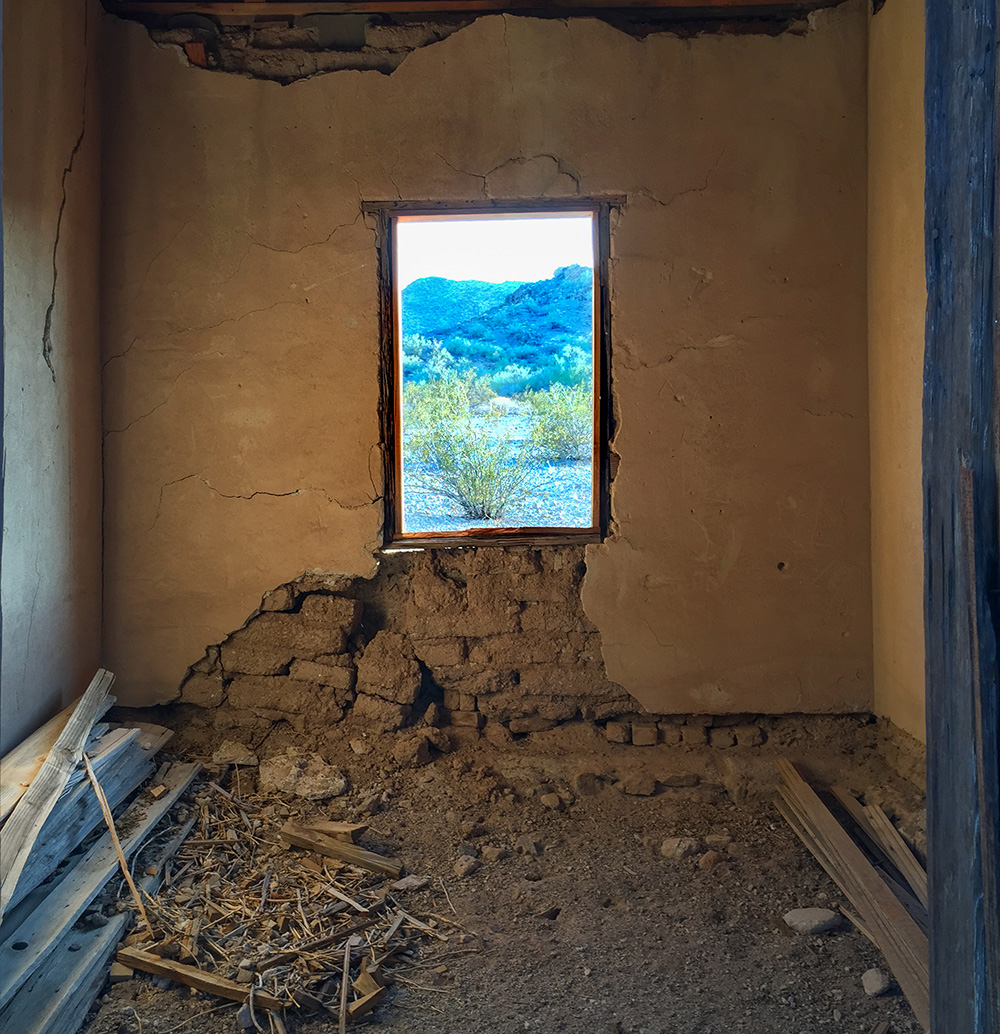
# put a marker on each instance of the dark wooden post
(960, 513)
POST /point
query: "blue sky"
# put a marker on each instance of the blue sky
(491, 247)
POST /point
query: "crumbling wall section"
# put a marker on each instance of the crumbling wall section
(468, 638)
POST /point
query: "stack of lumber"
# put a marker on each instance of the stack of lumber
(59, 849)
(878, 873)
(284, 915)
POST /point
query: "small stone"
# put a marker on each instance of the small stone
(875, 982)
(645, 734)
(637, 784)
(232, 752)
(722, 737)
(412, 882)
(492, 853)
(468, 849)
(120, 973)
(811, 920)
(360, 747)
(465, 865)
(681, 779)
(440, 970)
(676, 848)
(718, 841)
(499, 735)
(708, 859)
(244, 975)
(532, 723)
(412, 751)
(528, 845)
(371, 805)
(587, 783)
(432, 716)
(618, 732)
(552, 801)
(473, 827)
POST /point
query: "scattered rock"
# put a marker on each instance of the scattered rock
(497, 734)
(412, 751)
(812, 920)
(528, 845)
(552, 801)
(587, 783)
(468, 849)
(232, 752)
(875, 982)
(301, 774)
(360, 747)
(676, 848)
(718, 841)
(432, 716)
(637, 784)
(492, 853)
(681, 779)
(708, 859)
(412, 882)
(465, 865)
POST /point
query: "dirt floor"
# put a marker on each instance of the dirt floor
(582, 925)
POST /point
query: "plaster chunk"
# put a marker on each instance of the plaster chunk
(301, 774)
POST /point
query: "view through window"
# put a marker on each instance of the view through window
(496, 372)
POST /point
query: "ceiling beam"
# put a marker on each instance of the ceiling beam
(298, 8)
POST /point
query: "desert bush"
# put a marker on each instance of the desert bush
(471, 460)
(562, 422)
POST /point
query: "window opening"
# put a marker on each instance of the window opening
(497, 374)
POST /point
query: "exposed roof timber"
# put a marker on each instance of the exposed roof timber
(297, 8)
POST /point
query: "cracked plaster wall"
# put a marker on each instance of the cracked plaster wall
(50, 581)
(241, 335)
(896, 307)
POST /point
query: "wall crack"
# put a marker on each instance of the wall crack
(50, 308)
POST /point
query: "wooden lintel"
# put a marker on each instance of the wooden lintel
(299, 8)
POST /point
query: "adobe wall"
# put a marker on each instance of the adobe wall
(241, 337)
(50, 575)
(897, 299)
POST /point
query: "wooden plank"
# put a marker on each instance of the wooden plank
(898, 936)
(31, 811)
(885, 841)
(297, 8)
(962, 540)
(19, 766)
(899, 851)
(57, 998)
(342, 850)
(33, 941)
(191, 976)
(78, 812)
(349, 831)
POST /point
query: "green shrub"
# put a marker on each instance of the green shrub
(470, 459)
(562, 422)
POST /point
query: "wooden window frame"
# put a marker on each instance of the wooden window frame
(386, 214)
